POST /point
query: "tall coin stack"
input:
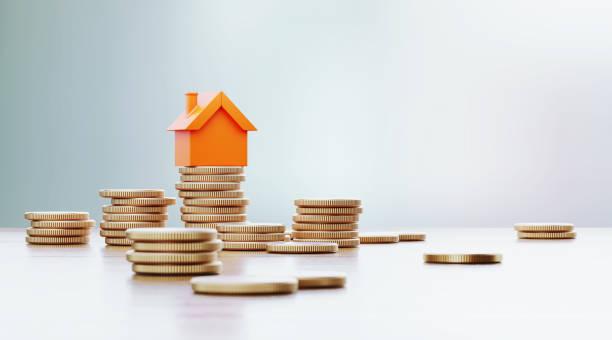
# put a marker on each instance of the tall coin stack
(58, 227)
(132, 208)
(211, 195)
(327, 220)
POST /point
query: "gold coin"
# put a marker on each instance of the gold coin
(327, 203)
(213, 210)
(178, 247)
(202, 225)
(463, 258)
(170, 234)
(212, 186)
(253, 246)
(287, 238)
(251, 228)
(113, 233)
(57, 232)
(135, 217)
(211, 194)
(342, 243)
(144, 202)
(126, 209)
(325, 234)
(406, 236)
(178, 269)
(131, 225)
(63, 224)
(324, 226)
(328, 211)
(244, 285)
(302, 247)
(378, 238)
(216, 202)
(211, 170)
(131, 193)
(321, 280)
(252, 237)
(547, 236)
(212, 178)
(57, 240)
(56, 215)
(124, 242)
(170, 258)
(544, 227)
(214, 218)
(325, 218)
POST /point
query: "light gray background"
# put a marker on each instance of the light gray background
(435, 113)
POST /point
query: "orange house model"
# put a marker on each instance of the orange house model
(211, 132)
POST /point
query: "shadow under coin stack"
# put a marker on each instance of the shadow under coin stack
(545, 231)
(132, 208)
(211, 195)
(58, 227)
(174, 251)
(250, 236)
(327, 220)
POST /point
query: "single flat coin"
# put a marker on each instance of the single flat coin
(216, 202)
(131, 225)
(211, 194)
(135, 217)
(57, 240)
(329, 211)
(170, 258)
(324, 226)
(170, 234)
(57, 232)
(544, 227)
(212, 225)
(113, 233)
(321, 280)
(302, 247)
(252, 237)
(212, 186)
(378, 238)
(213, 210)
(144, 202)
(79, 224)
(406, 236)
(325, 218)
(251, 228)
(463, 258)
(214, 218)
(121, 242)
(244, 285)
(325, 234)
(547, 236)
(126, 209)
(211, 170)
(245, 246)
(56, 215)
(178, 247)
(327, 203)
(342, 243)
(178, 269)
(131, 193)
(212, 178)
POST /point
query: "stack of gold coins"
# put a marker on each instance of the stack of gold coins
(327, 220)
(174, 251)
(250, 236)
(545, 231)
(132, 208)
(212, 195)
(58, 227)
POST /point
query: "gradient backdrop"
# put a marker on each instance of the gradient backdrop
(434, 113)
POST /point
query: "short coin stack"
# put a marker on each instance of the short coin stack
(211, 195)
(174, 251)
(545, 231)
(58, 227)
(250, 236)
(327, 220)
(132, 208)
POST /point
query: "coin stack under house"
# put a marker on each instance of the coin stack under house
(132, 208)
(211, 195)
(174, 251)
(545, 231)
(249, 236)
(58, 227)
(327, 220)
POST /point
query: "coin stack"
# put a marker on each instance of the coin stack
(132, 208)
(545, 231)
(327, 220)
(58, 227)
(250, 236)
(211, 195)
(174, 251)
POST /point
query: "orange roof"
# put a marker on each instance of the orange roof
(208, 104)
